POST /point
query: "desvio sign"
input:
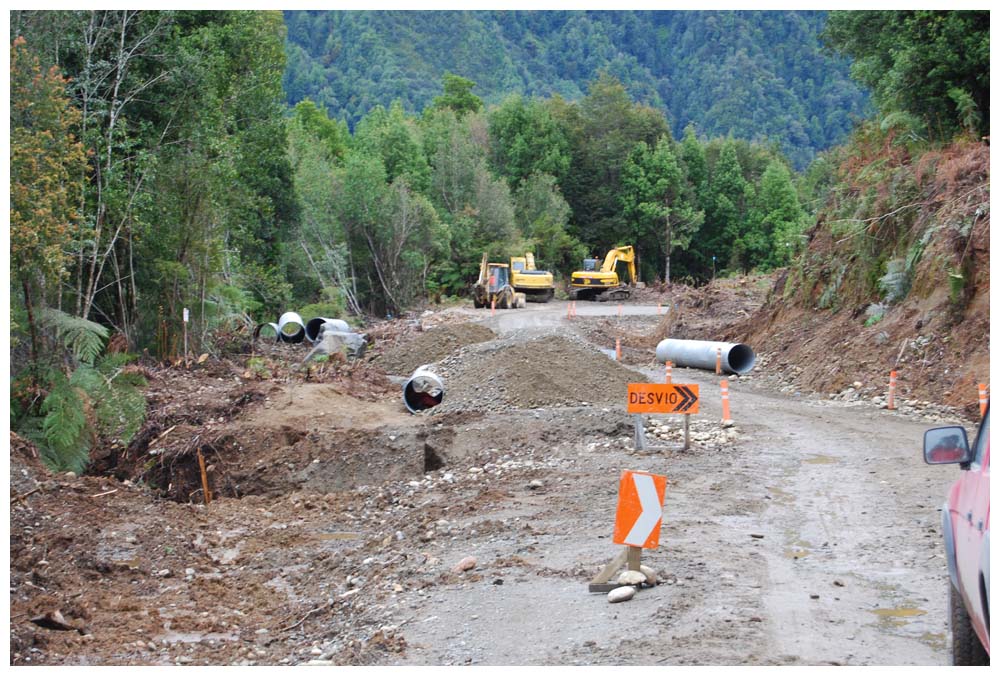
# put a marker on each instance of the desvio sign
(662, 398)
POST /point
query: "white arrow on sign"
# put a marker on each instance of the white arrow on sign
(652, 510)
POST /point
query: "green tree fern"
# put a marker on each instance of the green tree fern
(98, 399)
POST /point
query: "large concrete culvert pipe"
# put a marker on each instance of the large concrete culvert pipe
(423, 390)
(701, 354)
(314, 327)
(268, 325)
(291, 319)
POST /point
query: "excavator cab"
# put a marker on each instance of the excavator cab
(499, 277)
(603, 284)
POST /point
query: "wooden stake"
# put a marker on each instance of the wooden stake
(493, 307)
(640, 432)
(687, 431)
(718, 361)
(634, 557)
(599, 583)
(204, 478)
(618, 349)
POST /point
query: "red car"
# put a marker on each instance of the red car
(965, 520)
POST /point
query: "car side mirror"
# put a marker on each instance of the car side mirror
(946, 446)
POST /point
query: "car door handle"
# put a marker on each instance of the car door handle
(969, 517)
(980, 526)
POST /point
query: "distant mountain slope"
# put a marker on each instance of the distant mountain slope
(753, 74)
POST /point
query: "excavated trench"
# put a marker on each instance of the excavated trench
(270, 463)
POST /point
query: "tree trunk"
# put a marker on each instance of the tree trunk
(666, 276)
(31, 319)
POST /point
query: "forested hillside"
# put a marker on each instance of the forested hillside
(759, 76)
(163, 191)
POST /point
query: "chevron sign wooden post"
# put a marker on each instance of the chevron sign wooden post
(664, 398)
(637, 524)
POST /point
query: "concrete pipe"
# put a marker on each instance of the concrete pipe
(291, 319)
(423, 390)
(314, 327)
(700, 354)
(261, 327)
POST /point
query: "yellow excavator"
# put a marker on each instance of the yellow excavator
(603, 284)
(493, 286)
(536, 285)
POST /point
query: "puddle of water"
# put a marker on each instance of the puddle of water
(935, 641)
(821, 460)
(338, 536)
(897, 617)
(779, 495)
(127, 563)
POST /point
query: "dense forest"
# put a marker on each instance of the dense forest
(156, 165)
(759, 76)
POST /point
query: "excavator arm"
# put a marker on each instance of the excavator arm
(623, 254)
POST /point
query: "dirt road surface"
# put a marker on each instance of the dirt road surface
(807, 533)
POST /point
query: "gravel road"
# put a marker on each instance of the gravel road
(812, 538)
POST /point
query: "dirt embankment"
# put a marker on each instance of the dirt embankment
(825, 336)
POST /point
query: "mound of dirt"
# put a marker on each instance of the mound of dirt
(545, 372)
(408, 353)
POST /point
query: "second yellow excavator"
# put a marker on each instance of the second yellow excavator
(537, 285)
(603, 284)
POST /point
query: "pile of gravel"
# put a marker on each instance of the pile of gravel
(430, 346)
(548, 371)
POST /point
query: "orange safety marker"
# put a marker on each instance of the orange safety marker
(618, 349)
(983, 400)
(718, 361)
(725, 401)
(670, 371)
(891, 405)
(639, 515)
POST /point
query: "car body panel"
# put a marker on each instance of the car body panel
(966, 526)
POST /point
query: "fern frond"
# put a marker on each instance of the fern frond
(84, 338)
(90, 380)
(65, 428)
(121, 414)
(113, 361)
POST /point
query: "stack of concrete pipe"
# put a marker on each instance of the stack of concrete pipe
(421, 391)
(311, 330)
